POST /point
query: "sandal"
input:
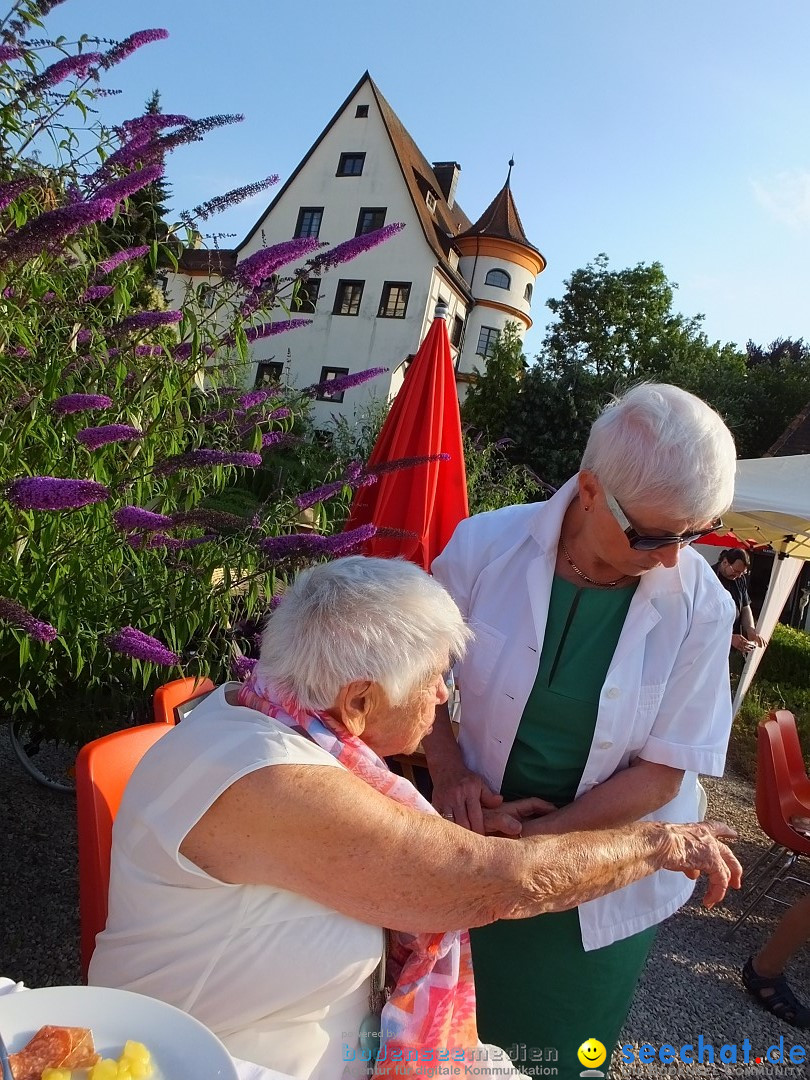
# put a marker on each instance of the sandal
(775, 995)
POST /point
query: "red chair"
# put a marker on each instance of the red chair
(103, 768)
(169, 697)
(800, 782)
(776, 803)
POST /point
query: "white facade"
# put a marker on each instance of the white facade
(395, 181)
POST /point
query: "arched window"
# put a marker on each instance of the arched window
(499, 278)
(527, 295)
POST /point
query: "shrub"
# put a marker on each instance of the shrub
(130, 558)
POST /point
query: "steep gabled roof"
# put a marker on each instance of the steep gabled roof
(501, 220)
(795, 439)
(439, 227)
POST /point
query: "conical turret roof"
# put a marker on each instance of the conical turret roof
(501, 220)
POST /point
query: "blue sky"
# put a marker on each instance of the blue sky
(669, 130)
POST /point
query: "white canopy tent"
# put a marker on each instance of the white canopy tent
(772, 506)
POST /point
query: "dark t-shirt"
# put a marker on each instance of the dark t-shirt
(738, 591)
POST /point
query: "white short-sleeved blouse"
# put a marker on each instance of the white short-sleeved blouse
(281, 979)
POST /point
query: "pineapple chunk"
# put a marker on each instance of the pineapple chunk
(106, 1069)
(136, 1051)
(56, 1074)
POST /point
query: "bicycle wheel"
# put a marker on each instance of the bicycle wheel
(51, 762)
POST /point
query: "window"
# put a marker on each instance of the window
(267, 372)
(329, 374)
(527, 293)
(309, 221)
(487, 340)
(499, 278)
(307, 295)
(430, 199)
(362, 110)
(207, 296)
(456, 332)
(369, 219)
(394, 300)
(351, 165)
(348, 297)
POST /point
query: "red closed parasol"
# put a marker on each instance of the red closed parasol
(424, 502)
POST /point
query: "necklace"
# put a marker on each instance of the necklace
(590, 580)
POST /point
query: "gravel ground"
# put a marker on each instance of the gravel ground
(691, 985)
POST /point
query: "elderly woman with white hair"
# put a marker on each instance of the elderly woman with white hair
(597, 680)
(262, 845)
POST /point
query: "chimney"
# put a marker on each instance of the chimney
(447, 173)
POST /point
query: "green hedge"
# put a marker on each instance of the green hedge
(782, 682)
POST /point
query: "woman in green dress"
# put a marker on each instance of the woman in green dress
(597, 681)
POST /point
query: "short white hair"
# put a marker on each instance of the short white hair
(358, 618)
(658, 445)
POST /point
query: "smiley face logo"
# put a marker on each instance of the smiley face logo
(591, 1054)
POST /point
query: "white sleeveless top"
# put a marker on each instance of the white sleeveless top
(282, 980)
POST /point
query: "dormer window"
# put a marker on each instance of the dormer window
(430, 199)
(351, 164)
(499, 278)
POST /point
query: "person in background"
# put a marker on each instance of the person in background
(598, 681)
(732, 570)
(764, 974)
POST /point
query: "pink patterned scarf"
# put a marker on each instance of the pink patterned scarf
(429, 1017)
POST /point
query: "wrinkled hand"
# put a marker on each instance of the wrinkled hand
(699, 849)
(466, 796)
(508, 818)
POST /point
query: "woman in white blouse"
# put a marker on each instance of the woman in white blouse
(597, 680)
(262, 845)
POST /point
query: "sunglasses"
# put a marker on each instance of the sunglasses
(650, 543)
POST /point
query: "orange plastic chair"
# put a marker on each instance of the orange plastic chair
(103, 768)
(776, 803)
(169, 697)
(800, 782)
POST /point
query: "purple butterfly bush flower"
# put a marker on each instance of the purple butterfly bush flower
(231, 198)
(20, 352)
(12, 190)
(256, 268)
(405, 463)
(78, 65)
(47, 231)
(16, 614)
(343, 383)
(129, 45)
(277, 439)
(120, 257)
(195, 458)
(149, 351)
(131, 642)
(350, 249)
(84, 337)
(242, 666)
(95, 292)
(353, 471)
(74, 403)
(320, 494)
(54, 493)
(93, 438)
(143, 128)
(209, 519)
(256, 397)
(266, 330)
(22, 401)
(126, 186)
(184, 349)
(311, 545)
(132, 518)
(196, 130)
(9, 52)
(8, 293)
(145, 320)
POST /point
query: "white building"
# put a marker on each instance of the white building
(365, 171)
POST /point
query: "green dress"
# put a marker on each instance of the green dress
(537, 989)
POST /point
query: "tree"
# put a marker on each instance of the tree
(614, 328)
(490, 402)
(778, 388)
